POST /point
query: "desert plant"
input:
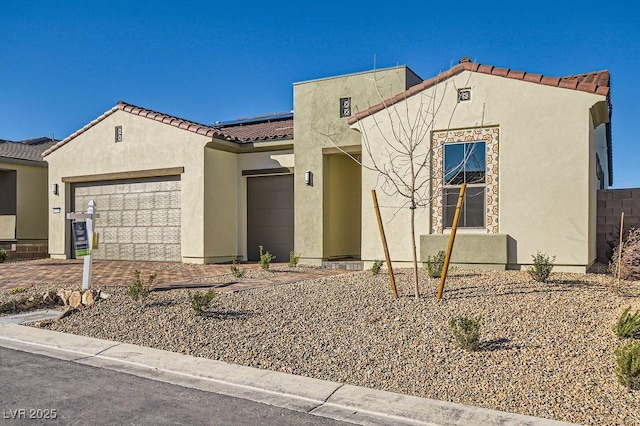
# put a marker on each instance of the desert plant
(18, 290)
(201, 301)
(434, 264)
(235, 269)
(375, 268)
(541, 267)
(139, 290)
(466, 331)
(628, 368)
(294, 258)
(630, 260)
(3, 255)
(265, 258)
(628, 324)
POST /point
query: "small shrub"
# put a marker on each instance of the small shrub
(630, 264)
(294, 258)
(265, 259)
(139, 290)
(3, 255)
(466, 331)
(235, 269)
(628, 325)
(19, 290)
(377, 265)
(435, 264)
(542, 266)
(201, 301)
(628, 368)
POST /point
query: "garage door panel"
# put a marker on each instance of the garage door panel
(139, 220)
(270, 216)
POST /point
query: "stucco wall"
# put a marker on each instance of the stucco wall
(318, 125)
(146, 145)
(31, 201)
(544, 165)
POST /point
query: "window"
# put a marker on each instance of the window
(345, 107)
(464, 95)
(599, 172)
(118, 134)
(464, 163)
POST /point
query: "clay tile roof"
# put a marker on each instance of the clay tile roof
(30, 149)
(201, 129)
(276, 127)
(597, 82)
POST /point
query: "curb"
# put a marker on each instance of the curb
(324, 398)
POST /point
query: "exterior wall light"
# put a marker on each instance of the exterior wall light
(55, 189)
(308, 178)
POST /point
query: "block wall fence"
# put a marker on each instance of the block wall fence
(611, 204)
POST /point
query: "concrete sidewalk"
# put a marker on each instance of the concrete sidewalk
(319, 397)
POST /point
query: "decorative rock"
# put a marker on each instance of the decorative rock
(104, 295)
(64, 296)
(75, 300)
(49, 297)
(88, 298)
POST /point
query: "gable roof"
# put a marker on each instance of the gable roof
(29, 149)
(238, 132)
(171, 120)
(260, 128)
(594, 82)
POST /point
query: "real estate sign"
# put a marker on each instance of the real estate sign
(81, 239)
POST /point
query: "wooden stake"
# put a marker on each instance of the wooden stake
(620, 248)
(385, 247)
(452, 237)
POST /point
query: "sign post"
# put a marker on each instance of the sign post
(84, 239)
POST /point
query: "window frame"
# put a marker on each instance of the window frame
(449, 186)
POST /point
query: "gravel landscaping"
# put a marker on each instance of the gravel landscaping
(547, 349)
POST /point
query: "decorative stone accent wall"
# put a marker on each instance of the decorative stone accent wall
(611, 204)
(491, 137)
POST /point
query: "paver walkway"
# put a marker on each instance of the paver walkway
(118, 272)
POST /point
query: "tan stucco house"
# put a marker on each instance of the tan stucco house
(171, 189)
(23, 197)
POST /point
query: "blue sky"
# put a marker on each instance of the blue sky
(64, 63)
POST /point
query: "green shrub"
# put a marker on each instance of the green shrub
(435, 264)
(466, 331)
(265, 259)
(294, 258)
(3, 255)
(542, 266)
(139, 290)
(628, 325)
(235, 269)
(201, 301)
(628, 368)
(375, 268)
(18, 290)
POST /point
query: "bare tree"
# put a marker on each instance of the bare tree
(403, 164)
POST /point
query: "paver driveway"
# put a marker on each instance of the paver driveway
(117, 272)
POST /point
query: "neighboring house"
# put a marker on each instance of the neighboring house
(23, 197)
(171, 189)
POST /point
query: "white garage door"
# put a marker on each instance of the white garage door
(139, 219)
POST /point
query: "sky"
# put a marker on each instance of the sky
(64, 63)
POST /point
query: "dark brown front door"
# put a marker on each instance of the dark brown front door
(270, 216)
